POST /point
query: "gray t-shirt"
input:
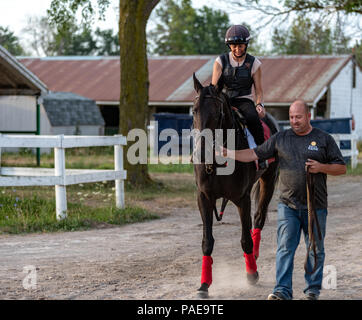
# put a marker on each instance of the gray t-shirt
(293, 151)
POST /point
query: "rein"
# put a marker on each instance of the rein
(312, 221)
(209, 167)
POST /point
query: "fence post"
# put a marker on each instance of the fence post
(118, 166)
(0, 154)
(60, 190)
(354, 153)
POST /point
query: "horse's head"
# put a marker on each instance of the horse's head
(208, 108)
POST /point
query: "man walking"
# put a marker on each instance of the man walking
(297, 148)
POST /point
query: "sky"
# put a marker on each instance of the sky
(15, 13)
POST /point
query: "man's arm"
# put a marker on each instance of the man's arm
(245, 155)
(327, 168)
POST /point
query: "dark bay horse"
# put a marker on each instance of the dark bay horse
(211, 110)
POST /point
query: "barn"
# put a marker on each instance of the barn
(331, 85)
(21, 92)
(27, 106)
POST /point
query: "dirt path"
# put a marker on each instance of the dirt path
(161, 259)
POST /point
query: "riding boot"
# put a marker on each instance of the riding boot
(262, 164)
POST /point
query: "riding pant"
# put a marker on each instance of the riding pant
(248, 110)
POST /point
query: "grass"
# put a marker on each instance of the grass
(356, 171)
(36, 213)
(101, 158)
(91, 205)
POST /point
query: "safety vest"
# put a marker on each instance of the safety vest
(237, 80)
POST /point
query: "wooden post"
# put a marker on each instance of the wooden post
(0, 154)
(354, 152)
(119, 183)
(60, 190)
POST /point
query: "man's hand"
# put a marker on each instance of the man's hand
(314, 166)
(245, 155)
(332, 169)
(226, 153)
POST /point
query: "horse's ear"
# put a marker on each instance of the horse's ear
(197, 85)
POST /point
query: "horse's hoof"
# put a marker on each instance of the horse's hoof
(203, 291)
(252, 277)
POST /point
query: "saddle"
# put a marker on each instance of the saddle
(241, 124)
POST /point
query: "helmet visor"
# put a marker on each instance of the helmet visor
(236, 40)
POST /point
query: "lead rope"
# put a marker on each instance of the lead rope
(312, 220)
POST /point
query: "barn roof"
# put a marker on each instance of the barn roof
(69, 109)
(15, 79)
(285, 78)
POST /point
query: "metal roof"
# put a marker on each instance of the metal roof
(15, 79)
(69, 109)
(285, 78)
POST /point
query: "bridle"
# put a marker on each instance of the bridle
(211, 95)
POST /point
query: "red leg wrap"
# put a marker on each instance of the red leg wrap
(206, 271)
(250, 263)
(256, 236)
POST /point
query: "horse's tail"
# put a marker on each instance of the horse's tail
(223, 205)
(256, 189)
(274, 175)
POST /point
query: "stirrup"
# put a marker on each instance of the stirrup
(262, 164)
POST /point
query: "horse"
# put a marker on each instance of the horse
(212, 110)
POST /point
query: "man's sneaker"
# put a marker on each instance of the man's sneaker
(276, 296)
(311, 296)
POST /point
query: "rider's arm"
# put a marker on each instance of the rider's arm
(216, 73)
(258, 92)
(258, 86)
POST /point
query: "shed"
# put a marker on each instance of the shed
(71, 114)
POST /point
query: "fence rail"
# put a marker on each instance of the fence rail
(353, 152)
(60, 177)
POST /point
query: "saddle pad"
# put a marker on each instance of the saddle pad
(267, 135)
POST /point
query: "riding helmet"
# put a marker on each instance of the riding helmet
(237, 34)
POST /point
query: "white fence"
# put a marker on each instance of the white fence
(353, 152)
(60, 177)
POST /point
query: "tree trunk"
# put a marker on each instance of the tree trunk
(133, 16)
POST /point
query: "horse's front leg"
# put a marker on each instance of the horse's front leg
(206, 211)
(244, 209)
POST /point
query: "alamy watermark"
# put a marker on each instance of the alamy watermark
(329, 277)
(176, 149)
(30, 280)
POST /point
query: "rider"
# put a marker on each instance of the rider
(240, 71)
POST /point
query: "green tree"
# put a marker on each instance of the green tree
(324, 8)
(134, 83)
(10, 42)
(76, 39)
(107, 42)
(308, 37)
(357, 51)
(183, 30)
